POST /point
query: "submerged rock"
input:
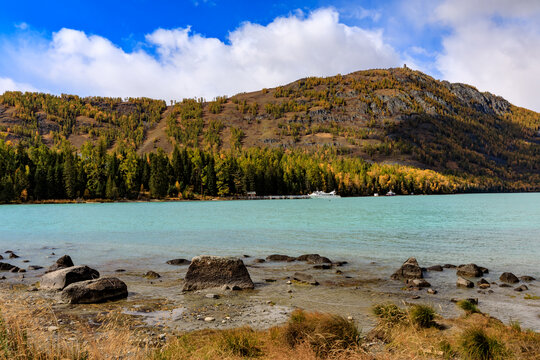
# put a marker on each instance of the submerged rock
(449, 266)
(278, 257)
(179, 262)
(527, 278)
(435, 268)
(469, 270)
(151, 275)
(35, 267)
(521, 288)
(13, 256)
(409, 270)
(59, 279)
(508, 277)
(462, 282)
(259, 261)
(62, 263)
(95, 291)
(323, 266)
(305, 278)
(214, 271)
(314, 259)
(483, 283)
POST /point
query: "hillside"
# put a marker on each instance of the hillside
(394, 116)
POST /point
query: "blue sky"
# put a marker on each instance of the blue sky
(175, 49)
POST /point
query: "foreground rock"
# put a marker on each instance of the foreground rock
(509, 278)
(62, 263)
(418, 283)
(6, 267)
(59, 279)
(314, 259)
(409, 270)
(469, 270)
(179, 262)
(214, 271)
(95, 291)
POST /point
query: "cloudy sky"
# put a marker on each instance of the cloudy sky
(191, 48)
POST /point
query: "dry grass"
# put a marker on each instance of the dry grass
(307, 336)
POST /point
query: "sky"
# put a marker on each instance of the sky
(208, 48)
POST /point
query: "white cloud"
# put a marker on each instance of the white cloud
(7, 84)
(21, 26)
(494, 45)
(186, 64)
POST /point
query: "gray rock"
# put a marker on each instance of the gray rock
(418, 283)
(435, 268)
(59, 279)
(259, 261)
(214, 271)
(62, 263)
(95, 291)
(469, 270)
(35, 267)
(509, 278)
(314, 259)
(409, 270)
(503, 285)
(278, 257)
(13, 256)
(462, 282)
(483, 283)
(521, 288)
(431, 291)
(339, 263)
(15, 269)
(449, 266)
(527, 278)
(212, 296)
(484, 270)
(179, 262)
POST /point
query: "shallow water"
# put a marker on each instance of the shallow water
(500, 231)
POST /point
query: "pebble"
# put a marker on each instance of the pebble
(162, 336)
(52, 328)
(289, 282)
(431, 291)
(416, 297)
(209, 319)
(212, 296)
(350, 318)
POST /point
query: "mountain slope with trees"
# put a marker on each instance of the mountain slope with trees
(369, 131)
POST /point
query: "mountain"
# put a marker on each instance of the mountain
(392, 116)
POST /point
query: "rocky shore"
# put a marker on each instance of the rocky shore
(230, 292)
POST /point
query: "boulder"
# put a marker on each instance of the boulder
(13, 255)
(59, 279)
(35, 267)
(15, 269)
(483, 283)
(151, 275)
(521, 288)
(62, 263)
(527, 278)
(462, 282)
(418, 283)
(435, 268)
(469, 270)
(179, 262)
(409, 270)
(484, 270)
(215, 271)
(278, 257)
(449, 266)
(314, 259)
(259, 261)
(305, 278)
(504, 285)
(431, 291)
(95, 291)
(509, 278)
(6, 267)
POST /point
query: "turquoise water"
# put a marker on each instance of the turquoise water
(494, 230)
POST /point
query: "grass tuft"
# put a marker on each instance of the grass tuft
(324, 333)
(477, 345)
(389, 314)
(468, 306)
(422, 315)
(240, 342)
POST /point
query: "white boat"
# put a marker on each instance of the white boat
(390, 193)
(323, 195)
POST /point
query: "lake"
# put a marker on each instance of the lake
(499, 231)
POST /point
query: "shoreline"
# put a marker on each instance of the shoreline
(234, 198)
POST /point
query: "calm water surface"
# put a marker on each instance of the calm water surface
(495, 230)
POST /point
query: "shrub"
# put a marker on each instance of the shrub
(422, 315)
(323, 332)
(240, 342)
(389, 314)
(477, 345)
(468, 306)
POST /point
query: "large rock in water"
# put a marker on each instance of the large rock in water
(178, 262)
(314, 259)
(95, 291)
(215, 271)
(469, 270)
(62, 263)
(409, 270)
(278, 257)
(6, 267)
(59, 279)
(508, 277)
